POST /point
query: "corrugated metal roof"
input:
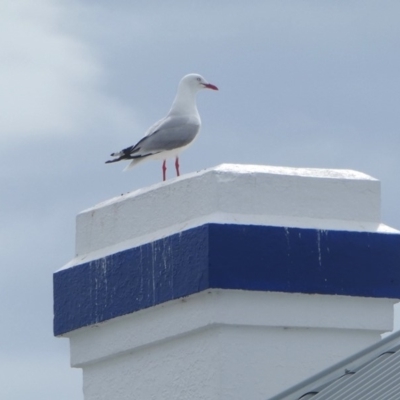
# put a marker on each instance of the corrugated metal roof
(372, 374)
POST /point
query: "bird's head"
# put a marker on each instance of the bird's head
(196, 82)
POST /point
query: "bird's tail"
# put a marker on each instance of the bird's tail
(133, 163)
(125, 154)
(116, 159)
(122, 155)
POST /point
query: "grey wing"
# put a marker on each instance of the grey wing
(173, 133)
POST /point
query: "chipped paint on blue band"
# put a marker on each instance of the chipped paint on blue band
(227, 256)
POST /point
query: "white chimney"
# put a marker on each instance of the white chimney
(228, 284)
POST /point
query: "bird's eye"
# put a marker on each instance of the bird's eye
(198, 79)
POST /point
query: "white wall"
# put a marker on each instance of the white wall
(227, 344)
(224, 344)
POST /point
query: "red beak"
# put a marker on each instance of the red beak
(210, 86)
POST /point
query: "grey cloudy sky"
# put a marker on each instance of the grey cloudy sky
(302, 84)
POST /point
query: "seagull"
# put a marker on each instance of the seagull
(171, 135)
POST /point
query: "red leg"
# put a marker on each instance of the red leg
(164, 170)
(177, 166)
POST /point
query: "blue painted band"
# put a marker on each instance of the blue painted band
(227, 256)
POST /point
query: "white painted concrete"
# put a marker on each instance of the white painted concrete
(244, 194)
(224, 344)
(227, 345)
